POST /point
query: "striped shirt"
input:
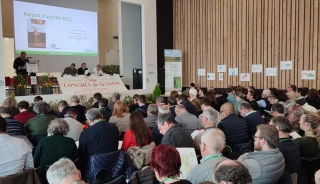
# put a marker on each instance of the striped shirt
(15, 127)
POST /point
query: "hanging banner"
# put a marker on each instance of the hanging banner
(173, 70)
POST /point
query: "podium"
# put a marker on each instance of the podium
(32, 69)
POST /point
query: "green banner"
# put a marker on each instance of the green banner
(59, 53)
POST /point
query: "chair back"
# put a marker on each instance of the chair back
(29, 176)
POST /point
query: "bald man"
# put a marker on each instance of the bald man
(213, 141)
(235, 128)
(231, 172)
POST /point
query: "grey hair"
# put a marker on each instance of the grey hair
(58, 126)
(115, 96)
(153, 109)
(163, 109)
(267, 92)
(288, 104)
(181, 107)
(93, 114)
(193, 91)
(42, 107)
(212, 115)
(162, 118)
(60, 170)
(75, 99)
(160, 99)
(214, 138)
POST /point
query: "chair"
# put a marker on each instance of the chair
(311, 166)
(115, 180)
(29, 176)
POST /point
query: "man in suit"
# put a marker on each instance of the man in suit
(82, 69)
(187, 121)
(19, 63)
(172, 103)
(71, 70)
(152, 117)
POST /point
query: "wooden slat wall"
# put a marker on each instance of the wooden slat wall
(240, 33)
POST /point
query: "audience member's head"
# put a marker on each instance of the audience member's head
(62, 104)
(5, 111)
(282, 124)
(192, 85)
(213, 141)
(251, 88)
(93, 116)
(291, 95)
(152, 109)
(209, 118)
(23, 106)
(273, 99)
(103, 103)
(160, 101)
(174, 94)
(64, 171)
(182, 98)
(265, 93)
(74, 100)
(165, 122)
(139, 129)
(294, 114)
(231, 172)
(193, 93)
(37, 99)
(141, 100)
(71, 112)
(277, 110)
(251, 95)
(229, 90)
(118, 109)
(10, 102)
(310, 124)
(244, 108)
(266, 138)
(172, 101)
(42, 108)
(97, 97)
(301, 92)
(226, 109)
(58, 126)
(135, 98)
(115, 96)
(163, 109)
(313, 94)
(239, 96)
(291, 88)
(3, 126)
(211, 97)
(205, 103)
(165, 161)
(180, 109)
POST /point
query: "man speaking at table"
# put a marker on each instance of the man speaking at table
(20, 63)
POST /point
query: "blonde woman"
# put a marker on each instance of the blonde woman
(12, 104)
(120, 116)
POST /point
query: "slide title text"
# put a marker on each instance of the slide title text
(45, 16)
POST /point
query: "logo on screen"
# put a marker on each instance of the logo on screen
(52, 46)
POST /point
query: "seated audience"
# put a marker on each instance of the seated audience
(239, 99)
(75, 103)
(210, 95)
(187, 121)
(277, 110)
(138, 135)
(71, 70)
(11, 103)
(160, 101)
(98, 71)
(120, 117)
(231, 172)
(165, 161)
(251, 98)
(14, 127)
(206, 104)
(82, 69)
(301, 94)
(195, 101)
(289, 149)
(103, 108)
(16, 154)
(172, 103)
(291, 92)
(234, 128)
(100, 137)
(183, 99)
(156, 135)
(292, 88)
(96, 98)
(264, 102)
(313, 98)
(252, 118)
(220, 99)
(115, 97)
(273, 100)
(163, 109)
(75, 127)
(174, 94)
(142, 105)
(174, 135)
(64, 171)
(62, 107)
(37, 127)
(213, 141)
(151, 119)
(266, 164)
(231, 98)
(294, 114)
(35, 100)
(135, 104)
(309, 144)
(24, 114)
(50, 149)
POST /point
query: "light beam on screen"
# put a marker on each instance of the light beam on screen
(51, 30)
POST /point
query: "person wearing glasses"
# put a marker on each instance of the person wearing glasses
(212, 143)
(266, 164)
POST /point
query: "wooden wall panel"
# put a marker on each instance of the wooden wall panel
(240, 33)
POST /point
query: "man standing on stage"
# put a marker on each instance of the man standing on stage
(20, 63)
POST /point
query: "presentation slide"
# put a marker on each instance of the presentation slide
(50, 30)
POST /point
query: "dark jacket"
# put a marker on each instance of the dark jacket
(156, 135)
(133, 107)
(81, 71)
(315, 102)
(70, 71)
(173, 111)
(190, 108)
(268, 104)
(220, 101)
(100, 138)
(81, 114)
(14, 111)
(253, 120)
(143, 110)
(178, 138)
(63, 112)
(235, 129)
(143, 177)
(291, 153)
(96, 105)
(106, 113)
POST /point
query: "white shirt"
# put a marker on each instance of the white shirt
(75, 128)
(16, 155)
(98, 73)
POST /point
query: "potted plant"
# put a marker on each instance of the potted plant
(156, 92)
(46, 87)
(20, 85)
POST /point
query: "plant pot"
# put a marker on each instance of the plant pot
(46, 91)
(20, 92)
